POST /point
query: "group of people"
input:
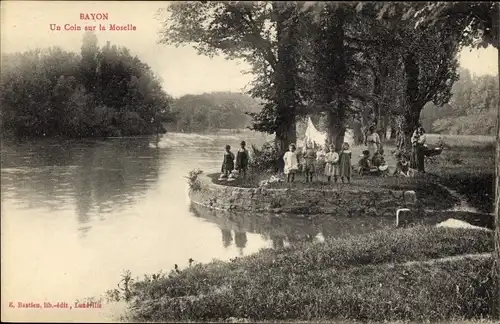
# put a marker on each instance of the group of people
(329, 162)
(403, 166)
(332, 164)
(229, 169)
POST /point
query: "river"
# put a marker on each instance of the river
(77, 213)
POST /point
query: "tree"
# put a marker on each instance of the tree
(101, 92)
(382, 69)
(477, 24)
(89, 61)
(329, 70)
(219, 110)
(261, 33)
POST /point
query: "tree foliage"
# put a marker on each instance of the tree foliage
(472, 107)
(212, 111)
(101, 92)
(264, 34)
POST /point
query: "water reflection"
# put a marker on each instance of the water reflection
(240, 239)
(98, 176)
(284, 230)
(227, 237)
(84, 211)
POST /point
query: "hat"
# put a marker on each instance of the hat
(366, 152)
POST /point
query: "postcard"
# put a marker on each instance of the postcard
(238, 161)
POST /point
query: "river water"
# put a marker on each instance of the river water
(77, 214)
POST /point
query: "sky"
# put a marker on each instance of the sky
(26, 25)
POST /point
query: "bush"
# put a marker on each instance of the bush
(193, 181)
(265, 159)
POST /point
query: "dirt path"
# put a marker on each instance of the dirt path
(477, 256)
(463, 205)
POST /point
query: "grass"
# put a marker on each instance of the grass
(357, 278)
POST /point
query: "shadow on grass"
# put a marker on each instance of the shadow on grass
(470, 171)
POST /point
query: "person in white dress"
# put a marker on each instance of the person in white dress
(291, 160)
(373, 141)
(332, 164)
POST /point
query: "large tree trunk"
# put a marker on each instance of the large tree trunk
(359, 136)
(286, 134)
(286, 71)
(412, 106)
(337, 116)
(336, 120)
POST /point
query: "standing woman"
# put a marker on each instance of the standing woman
(372, 141)
(420, 145)
(414, 141)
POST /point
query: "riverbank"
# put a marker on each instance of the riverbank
(422, 273)
(367, 277)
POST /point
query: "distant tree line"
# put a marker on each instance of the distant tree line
(213, 111)
(98, 92)
(472, 108)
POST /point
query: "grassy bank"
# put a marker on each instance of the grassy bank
(362, 278)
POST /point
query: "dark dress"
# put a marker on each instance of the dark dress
(228, 162)
(364, 165)
(377, 160)
(310, 159)
(242, 160)
(345, 164)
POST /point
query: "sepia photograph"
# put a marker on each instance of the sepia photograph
(250, 161)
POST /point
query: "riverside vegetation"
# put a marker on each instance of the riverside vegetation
(387, 275)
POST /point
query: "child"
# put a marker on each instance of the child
(291, 163)
(364, 164)
(345, 162)
(403, 167)
(321, 161)
(378, 158)
(309, 161)
(242, 159)
(332, 164)
(227, 162)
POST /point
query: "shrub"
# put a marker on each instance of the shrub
(193, 181)
(265, 159)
